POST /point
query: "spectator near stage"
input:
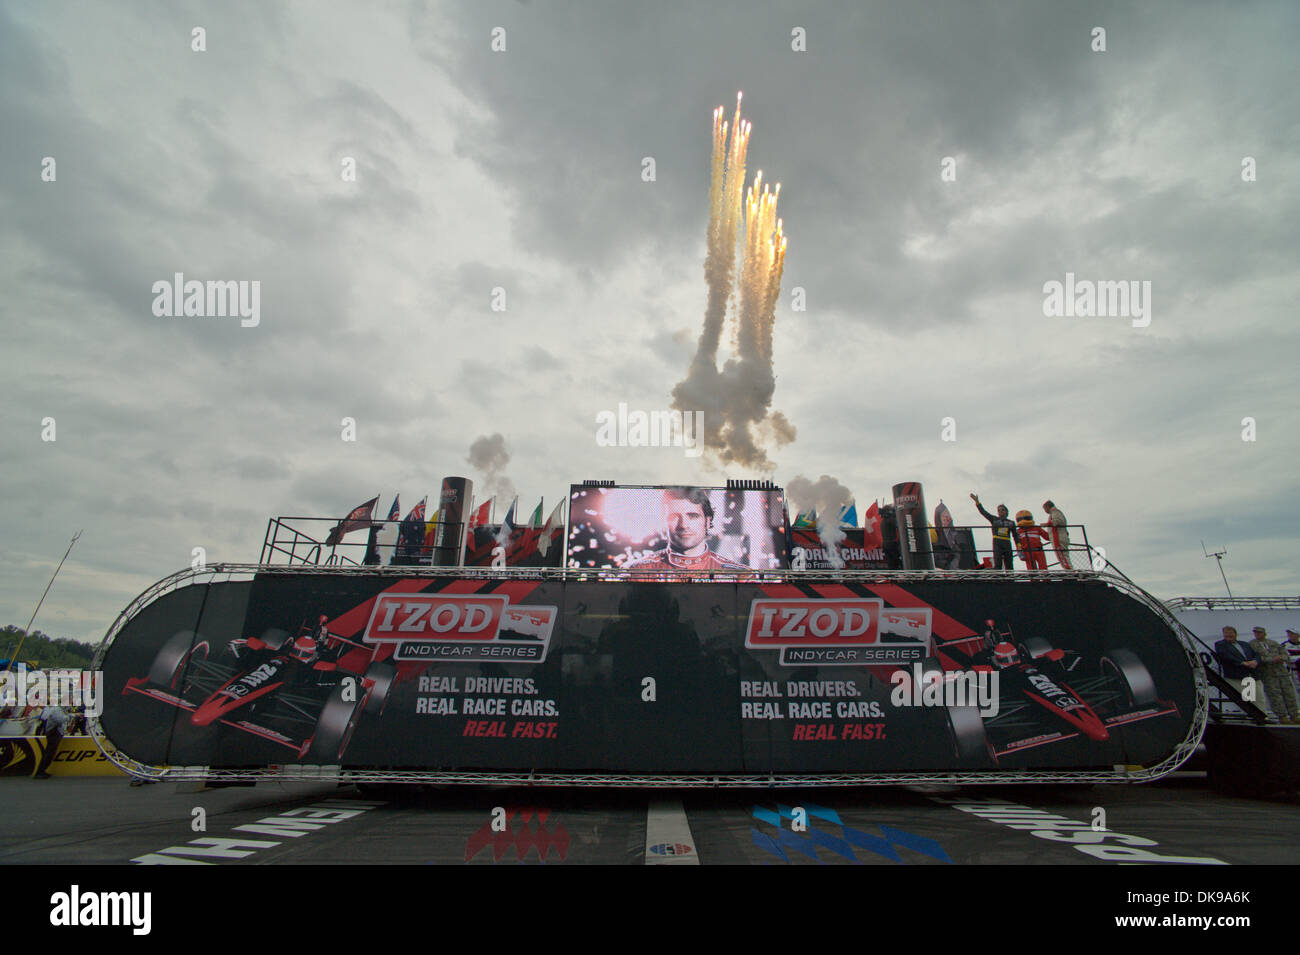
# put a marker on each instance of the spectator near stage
(1004, 529)
(54, 721)
(1292, 647)
(1236, 659)
(1060, 534)
(1273, 674)
(1031, 538)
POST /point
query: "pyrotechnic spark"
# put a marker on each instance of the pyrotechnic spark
(741, 393)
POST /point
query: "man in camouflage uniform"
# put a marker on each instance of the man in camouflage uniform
(1273, 665)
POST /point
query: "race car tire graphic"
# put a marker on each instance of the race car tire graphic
(969, 740)
(1034, 647)
(962, 725)
(1134, 679)
(338, 718)
(170, 663)
(383, 675)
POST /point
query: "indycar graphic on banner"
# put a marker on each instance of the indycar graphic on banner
(1047, 694)
(595, 672)
(307, 693)
(304, 693)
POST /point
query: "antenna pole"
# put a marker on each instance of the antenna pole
(14, 656)
(1219, 555)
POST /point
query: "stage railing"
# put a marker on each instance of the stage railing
(302, 541)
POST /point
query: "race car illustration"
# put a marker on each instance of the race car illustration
(1045, 694)
(306, 692)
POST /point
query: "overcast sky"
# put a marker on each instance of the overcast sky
(522, 169)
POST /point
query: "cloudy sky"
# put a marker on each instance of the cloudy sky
(522, 169)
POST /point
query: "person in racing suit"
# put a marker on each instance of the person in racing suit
(1060, 534)
(688, 514)
(1030, 539)
(1004, 529)
(319, 646)
(998, 651)
(990, 635)
(308, 648)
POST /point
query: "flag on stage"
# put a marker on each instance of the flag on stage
(805, 519)
(556, 520)
(872, 535)
(417, 513)
(429, 530)
(410, 534)
(361, 517)
(849, 515)
(507, 524)
(482, 514)
(536, 519)
(394, 512)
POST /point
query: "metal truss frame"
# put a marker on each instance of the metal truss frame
(1233, 603)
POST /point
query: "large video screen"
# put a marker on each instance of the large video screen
(676, 528)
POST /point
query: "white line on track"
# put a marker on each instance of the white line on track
(668, 839)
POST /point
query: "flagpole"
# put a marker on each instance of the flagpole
(14, 656)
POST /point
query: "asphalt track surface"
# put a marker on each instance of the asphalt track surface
(100, 821)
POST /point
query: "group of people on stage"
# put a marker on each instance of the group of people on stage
(1275, 666)
(1028, 536)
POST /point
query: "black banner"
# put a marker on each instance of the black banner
(515, 675)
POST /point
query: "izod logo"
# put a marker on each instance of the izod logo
(399, 617)
(778, 623)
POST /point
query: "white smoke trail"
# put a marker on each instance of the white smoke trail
(740, 395)
(828, 497)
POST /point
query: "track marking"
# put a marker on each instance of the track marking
(668, 839)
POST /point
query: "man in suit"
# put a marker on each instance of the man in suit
(1237, 660)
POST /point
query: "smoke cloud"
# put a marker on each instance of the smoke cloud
(736, 399)
(828, 497)
(488, 454)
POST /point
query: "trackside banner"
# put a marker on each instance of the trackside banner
(648, 677)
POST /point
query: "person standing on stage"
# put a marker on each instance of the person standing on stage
(1004, 529)
(1031, 541)
(1060, 534)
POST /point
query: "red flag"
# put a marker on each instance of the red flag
(482, 514)
(872, 536)
(361, 517)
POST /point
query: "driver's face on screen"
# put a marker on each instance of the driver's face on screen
(687, 525)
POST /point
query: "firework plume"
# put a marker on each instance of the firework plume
(737, 399)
